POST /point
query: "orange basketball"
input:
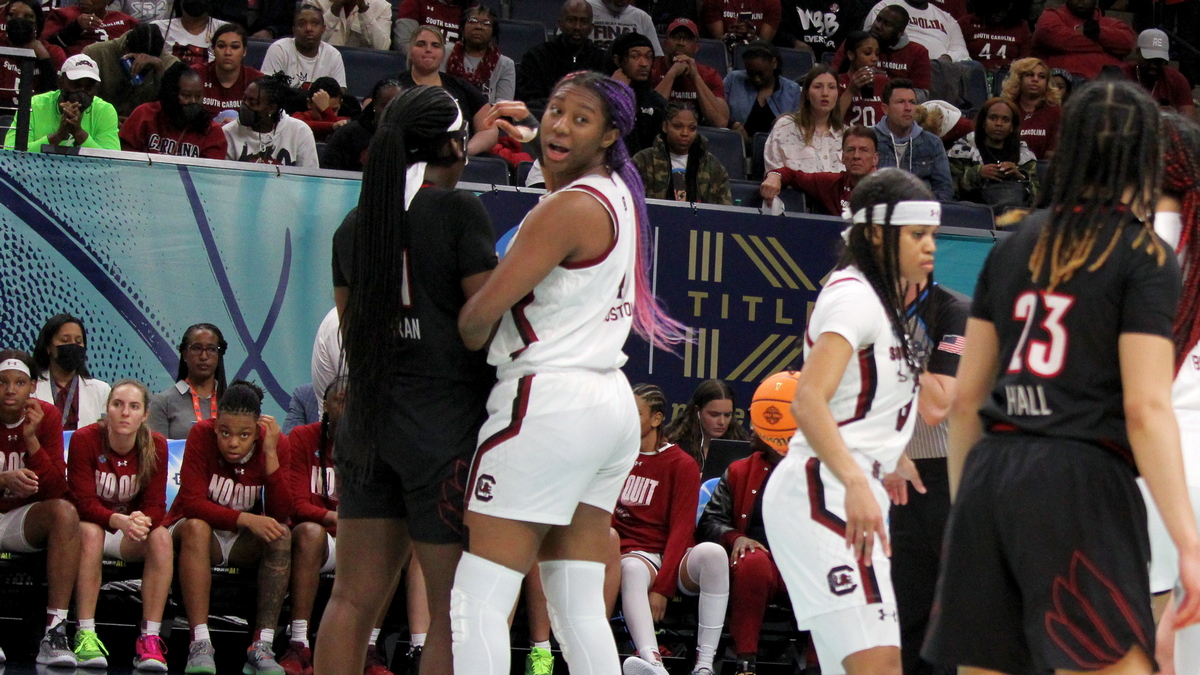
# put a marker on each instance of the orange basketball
(771, 410)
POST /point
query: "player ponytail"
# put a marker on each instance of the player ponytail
(241, 398)
(1108, 148)
(328, 428)
(1181, 179)
(650, 320)
(656, 403)
(415, 129)
(144, 441)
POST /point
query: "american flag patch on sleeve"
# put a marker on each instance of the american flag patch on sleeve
(952, 343)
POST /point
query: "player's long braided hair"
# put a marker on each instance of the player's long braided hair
(1181, 179)
(328, 428)
(1109, 146)
(413, 128)
(882, 268)
(650, 320)
(241, 398)
(652, 395)
(144, 441)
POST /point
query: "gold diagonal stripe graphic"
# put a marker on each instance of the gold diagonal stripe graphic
(783, 363)
(747, 362)
(757, 261)
(791, 264)
(752, 376)
(774, 263)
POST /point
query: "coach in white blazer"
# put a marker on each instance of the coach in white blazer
(61, 356)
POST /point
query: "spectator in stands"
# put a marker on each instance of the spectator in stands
(899, 56)
(818, 26)
(709, 415)
(25, 22)
(347, 148)
(306, 56)
(570, 50)
(742, 20)
(759, 94)
(61, 356)
(328, 361)
(1028, 85)
(477, 58)
(679, 78)
(117, 469)
(76, 26)
(1078, 37)
(632, 54)
(830, 190)
(131, 67)
(943, 120)
(679, 165)
(262, 19)
(445, 15)
(655, 518)
(904, 144)
(73, 115)
(424, 59)
(199, 383)
(34, 512)
(1166, 85)
(263, 133)
(1063, 81)
(613, 18)
(190, 30)
(992, 165)
(144, 11)
(357, 23)
(324, 101)
(302, 409)
(810, 138)
(225, 78)
(996, 34)
(177, 123)
(861, 81)
(234, 498)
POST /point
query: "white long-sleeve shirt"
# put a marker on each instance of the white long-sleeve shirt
(933, 28)
(372, 28)
(290, 143)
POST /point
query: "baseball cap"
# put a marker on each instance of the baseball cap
(1153, 44)
(80, 66)
(683, 23)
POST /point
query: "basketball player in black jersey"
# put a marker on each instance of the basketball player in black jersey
(1065, 396)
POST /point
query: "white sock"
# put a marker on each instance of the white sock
(483, 595)
(374, 636)
(1187, 650)
(635, 605)
(88, 624)
(709, 564)
(300, 631)
(151, 627)
(541, 645)
(199, 632)
(56, 617)
(265, 635)
(417, 639)
(575, 597)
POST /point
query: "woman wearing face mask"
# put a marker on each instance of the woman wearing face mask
(178, 123)
(61, 356)
(263, 133)
(810, 139)
(190, 30)
(24, 26)
(710, 414)
(994, 153)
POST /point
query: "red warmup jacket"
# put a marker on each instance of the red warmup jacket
(657, 511)
(743, 480)
(314, 484)
(113, 25)
(831, 189)
(217, 492)
(910, 61)
(320, 123)
(1059, 40)
(47, 462)
(148, 130)
(104, 483)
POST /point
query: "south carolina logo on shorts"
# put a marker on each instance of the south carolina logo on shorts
(483, 488)
(841, 580)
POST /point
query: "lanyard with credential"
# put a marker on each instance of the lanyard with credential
(66, 409)
(212, 403)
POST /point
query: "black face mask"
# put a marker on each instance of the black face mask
(248, 117)
(194, 113)
(70, 357)
(21, 31)
(195, 7)
(83, 98)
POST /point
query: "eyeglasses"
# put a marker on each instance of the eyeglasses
(486, 23)
(197, 349)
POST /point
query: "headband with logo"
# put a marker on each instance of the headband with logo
(15, 364)
(904, 213)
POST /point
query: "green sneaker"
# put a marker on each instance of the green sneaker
(539, 662)
(201, 659)
(89, 650)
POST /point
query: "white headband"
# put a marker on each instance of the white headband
(458, 121)
(15, 364)
(905, 213)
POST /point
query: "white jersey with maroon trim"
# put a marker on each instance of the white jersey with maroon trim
(873, 404)
(579, 316)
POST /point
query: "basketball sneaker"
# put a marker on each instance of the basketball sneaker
(638, 666)
(55, 649)
(703, 671)
(747, 667)
(201, 659)
(89, 650)
(414, 659)
(539, 662)
(297, 660)
(374, 664)
(260, 660)
(150, 654)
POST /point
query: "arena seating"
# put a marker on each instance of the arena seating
(487, 170)
(714, 55)
(728, 147)
(795, 63)
(544, 12)
(364, 67)
(518, 37)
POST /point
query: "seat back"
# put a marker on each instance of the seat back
(518, 37)
(727, 145)
(486, 170)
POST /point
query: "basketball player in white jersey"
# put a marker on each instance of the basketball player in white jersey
(824, 507)
(562, 430)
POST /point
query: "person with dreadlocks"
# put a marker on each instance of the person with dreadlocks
(1065, 396)
(562, 430)
(411, 254)
(854, 410)
(263, 133)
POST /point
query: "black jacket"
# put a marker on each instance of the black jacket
(543, 66)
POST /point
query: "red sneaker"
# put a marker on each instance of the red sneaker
(374, 664)
(297, 660)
